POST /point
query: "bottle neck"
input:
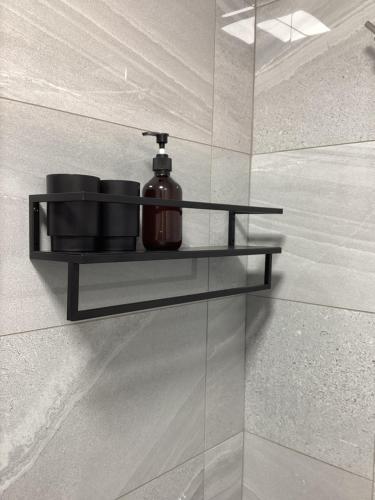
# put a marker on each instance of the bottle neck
(162, 173)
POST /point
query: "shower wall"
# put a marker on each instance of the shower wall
(310, 360)
(141, 406)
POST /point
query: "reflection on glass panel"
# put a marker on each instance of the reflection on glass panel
(294, 26)
(243, 29)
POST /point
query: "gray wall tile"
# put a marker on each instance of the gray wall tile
(225, 369)
(89, 407)
(134, 63)
(233, 83)
(184, 482)
(272, 472)
(310, 380)
(328, 223)
(37, 141)
(229, 184)
(316, 90)
(223, 470)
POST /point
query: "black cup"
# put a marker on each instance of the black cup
(73, 225)
(119, 221)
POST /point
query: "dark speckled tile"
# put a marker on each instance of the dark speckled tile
(319, 89)
(310, 375)
(272, 472)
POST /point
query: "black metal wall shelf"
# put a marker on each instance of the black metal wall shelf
(75, 259)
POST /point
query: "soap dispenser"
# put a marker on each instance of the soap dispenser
(161, 226)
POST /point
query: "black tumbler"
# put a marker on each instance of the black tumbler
(73, 225)
(119, 221)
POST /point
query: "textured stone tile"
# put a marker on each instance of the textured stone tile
(234, 66)
(223, 470)
(38, 141)
(310, 380)
(272, 472)
(87, 408)
(307, 92)
(225, 369)
(327, 230)
(229, 184)
(135, 63)
(184, 482)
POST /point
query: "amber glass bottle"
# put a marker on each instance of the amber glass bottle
(162, 226)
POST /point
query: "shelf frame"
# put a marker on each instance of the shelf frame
(75, 259)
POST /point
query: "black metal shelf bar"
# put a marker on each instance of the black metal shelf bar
(144, 255)
(139, 200)
(74, 314)
(75, 259)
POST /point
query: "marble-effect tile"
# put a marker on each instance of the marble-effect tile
(272, 472)
(310, 380)
(88, 407)
(315, 90)
(38, 141)
(327, 227)
(233, 82)
(225, 369)
(122, 62)
(223, 470)
(184, 482)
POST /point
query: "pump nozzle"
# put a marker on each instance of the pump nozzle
(161, 162)
(161, 137)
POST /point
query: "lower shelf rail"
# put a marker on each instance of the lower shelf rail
(75, 314)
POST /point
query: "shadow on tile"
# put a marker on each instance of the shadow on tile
(256, 323)
(370, 51)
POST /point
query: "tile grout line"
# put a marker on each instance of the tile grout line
(117, 124)
(197, 455)
(373, 474)
(247, 260)
(256, 294)
(208, 260)
(311, 457)
(108, 318)
(313, 147)
(104, 318)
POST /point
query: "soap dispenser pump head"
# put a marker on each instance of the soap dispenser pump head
(161, 137)
(161, 162)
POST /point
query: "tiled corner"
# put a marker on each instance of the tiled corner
(225, 369)
(223, 470)
(310, 380)
(36, 142)
(90, 406)
(122, 62)
(314, 82)
(229, 184)
(184, 482)
(327, 227)
(233, 82)
(272, 472)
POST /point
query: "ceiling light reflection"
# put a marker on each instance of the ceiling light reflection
(243, 29)
(295, 26)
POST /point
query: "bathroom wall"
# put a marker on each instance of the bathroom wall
(148, 405)
(310, 359)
